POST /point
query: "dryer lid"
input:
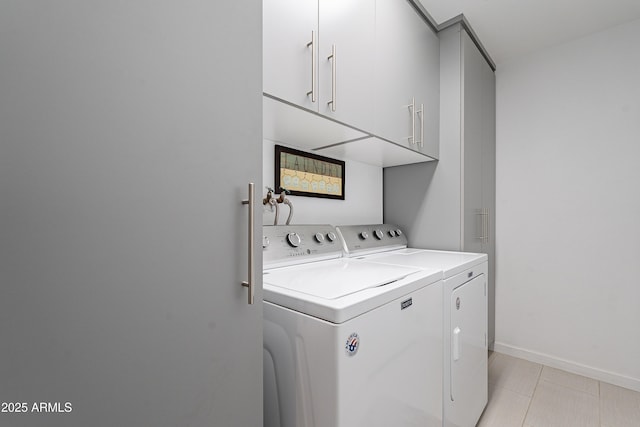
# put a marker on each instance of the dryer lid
(451, 263)
(336, 278)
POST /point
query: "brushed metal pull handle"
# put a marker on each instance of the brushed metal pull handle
(412, 108)
(488, 219)
(334, 61)
(314, 66)
(482, 225)
(421, 113)
(250, 282)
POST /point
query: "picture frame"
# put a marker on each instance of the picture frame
(307, 174)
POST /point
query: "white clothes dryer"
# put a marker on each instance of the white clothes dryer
(465, 390)
(345, 341)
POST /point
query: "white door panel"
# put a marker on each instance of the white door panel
(468, 372)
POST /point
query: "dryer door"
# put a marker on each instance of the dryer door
(469, 350)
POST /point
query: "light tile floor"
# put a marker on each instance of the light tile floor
(527, 394)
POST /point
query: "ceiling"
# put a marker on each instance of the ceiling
(511, 28)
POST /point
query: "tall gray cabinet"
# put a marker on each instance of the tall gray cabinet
(129, 134)
(450, 204)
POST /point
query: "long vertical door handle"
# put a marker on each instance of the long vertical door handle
(488, 225)
(314, 67)
(334, 61)
(421, 113)
(412, 109)
(456, 344)
(250, 282)
(479, 224)
(483, 225)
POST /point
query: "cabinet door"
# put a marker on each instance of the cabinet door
(475, 226)
(346, 79)
(121, 272)
(402, 38)
(287, 60)
(489, 151)
(428, 90)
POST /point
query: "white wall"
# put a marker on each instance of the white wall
(568, 206)
(362, 204)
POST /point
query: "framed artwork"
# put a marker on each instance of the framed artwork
(306, 174)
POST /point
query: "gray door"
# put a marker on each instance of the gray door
(473, 137)
(128, 134)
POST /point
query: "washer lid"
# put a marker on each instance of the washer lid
(337, 278)
(339, 290)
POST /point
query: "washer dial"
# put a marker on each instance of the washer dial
(293, 239)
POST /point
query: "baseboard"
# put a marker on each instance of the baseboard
(569, 366)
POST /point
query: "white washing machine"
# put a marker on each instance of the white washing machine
(465, 301)
(347, 342)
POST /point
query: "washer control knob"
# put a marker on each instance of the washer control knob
(364, 235)
(398, 232)
(392, 233)
(331, 236)
(319, 237)
(379, 234)
(293, 239)
(265, 242)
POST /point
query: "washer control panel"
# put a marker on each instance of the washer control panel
(363, 239)
(295, 244)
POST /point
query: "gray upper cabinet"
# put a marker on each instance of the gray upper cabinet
(407, 78)
(319, 56)
(287, 60)
(345, 60)
(339, 75)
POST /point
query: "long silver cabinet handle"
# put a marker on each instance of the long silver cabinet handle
(482, 213)
(334, 61)
(412, 109)
(486, 224)
(250, 282)
(488, 217)
(314, 67)
(421, 113)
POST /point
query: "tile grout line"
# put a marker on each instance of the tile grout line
(568, 387)
(532, 395)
